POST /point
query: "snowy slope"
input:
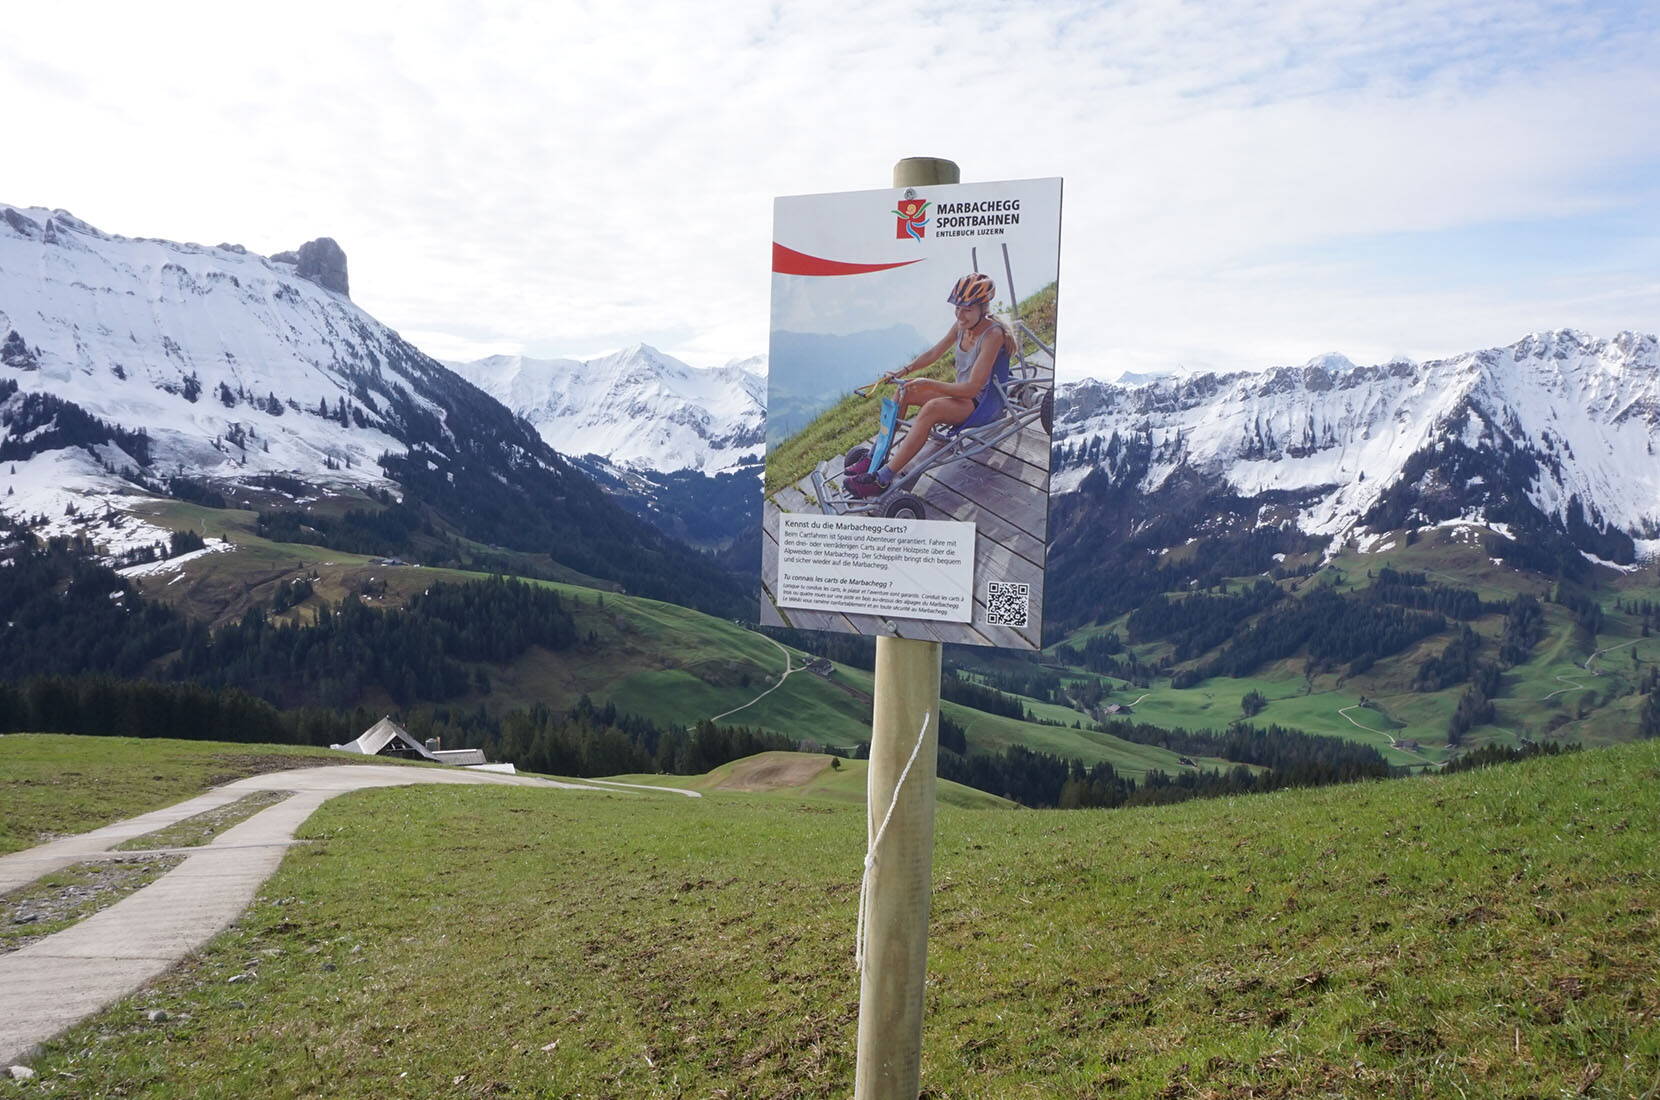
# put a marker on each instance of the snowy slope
(636, 408)
(130, 329)
(1554, 418)
(222, 357)
(126, 364)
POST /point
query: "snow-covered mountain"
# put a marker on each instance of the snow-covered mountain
(637, 408)
(130, 365)
(1558, 428)
(231, 364)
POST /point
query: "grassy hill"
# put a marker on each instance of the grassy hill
(1550, 695)
(655, 659)
(1486, 934)
(660, 661)
(793, 775)
(673, 665)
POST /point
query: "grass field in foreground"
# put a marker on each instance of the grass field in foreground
(1489, 934)
(54, 784)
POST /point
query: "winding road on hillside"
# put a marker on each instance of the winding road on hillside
(1608, 649)
(1385, 734)
(1575, 685)
(787, 670)
(55, 982)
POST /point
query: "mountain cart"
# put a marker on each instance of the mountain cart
(1028, 397)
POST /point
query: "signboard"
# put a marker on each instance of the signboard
(910, 398)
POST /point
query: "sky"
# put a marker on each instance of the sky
(1247, 184)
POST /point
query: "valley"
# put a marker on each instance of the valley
(485, 598)
(1359, 621)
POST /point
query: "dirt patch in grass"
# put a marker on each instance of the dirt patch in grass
(193, 832)
(60, 899)
(771, 774)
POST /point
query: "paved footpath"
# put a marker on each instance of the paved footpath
(49, 985)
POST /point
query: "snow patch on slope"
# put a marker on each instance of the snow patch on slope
(69, 494)
(176, 564)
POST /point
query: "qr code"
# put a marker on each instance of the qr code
(1007, 603)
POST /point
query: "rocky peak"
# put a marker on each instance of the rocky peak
(322, 261)
(21, 224)
(15, 353)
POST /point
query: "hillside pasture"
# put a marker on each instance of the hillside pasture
(794, 776)
(1485, 934)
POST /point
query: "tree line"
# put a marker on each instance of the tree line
(1524, 625)
(418, 652)
(114, 707)
(1415, 590)
(41, 422)
(1198, 623)
(1648, 718)
(1332, 629)
(61, 614)
(583, 741)
(955, 689)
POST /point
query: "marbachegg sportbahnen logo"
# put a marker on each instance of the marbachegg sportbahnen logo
(913, 218)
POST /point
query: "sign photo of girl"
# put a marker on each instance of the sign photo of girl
(983, 346)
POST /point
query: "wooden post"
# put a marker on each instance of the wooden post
(901, 878)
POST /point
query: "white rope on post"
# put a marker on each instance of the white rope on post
(875, 841)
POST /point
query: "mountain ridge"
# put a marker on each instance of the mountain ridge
(1555, 426)
(228, 369)
(637, 408)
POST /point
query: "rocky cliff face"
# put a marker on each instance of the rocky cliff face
(321, 261)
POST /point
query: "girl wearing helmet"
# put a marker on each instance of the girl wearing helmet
(983, 345)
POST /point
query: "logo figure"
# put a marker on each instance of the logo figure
(913, 218)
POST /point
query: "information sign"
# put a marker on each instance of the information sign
(910, 400)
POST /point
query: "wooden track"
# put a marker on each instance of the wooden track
(1004, 492)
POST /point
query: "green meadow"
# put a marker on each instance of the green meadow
(1549, 696)
(1486, 934)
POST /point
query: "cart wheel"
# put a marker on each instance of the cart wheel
(855, 456)
(904, 506)
(1047, 415)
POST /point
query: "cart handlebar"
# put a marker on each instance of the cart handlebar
(868, 389)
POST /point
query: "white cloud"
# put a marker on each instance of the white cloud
(570, 178)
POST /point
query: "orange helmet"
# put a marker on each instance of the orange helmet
(973, 290)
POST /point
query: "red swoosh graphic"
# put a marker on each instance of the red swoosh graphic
(787, 261)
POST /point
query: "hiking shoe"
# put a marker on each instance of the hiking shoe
(864, 486)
